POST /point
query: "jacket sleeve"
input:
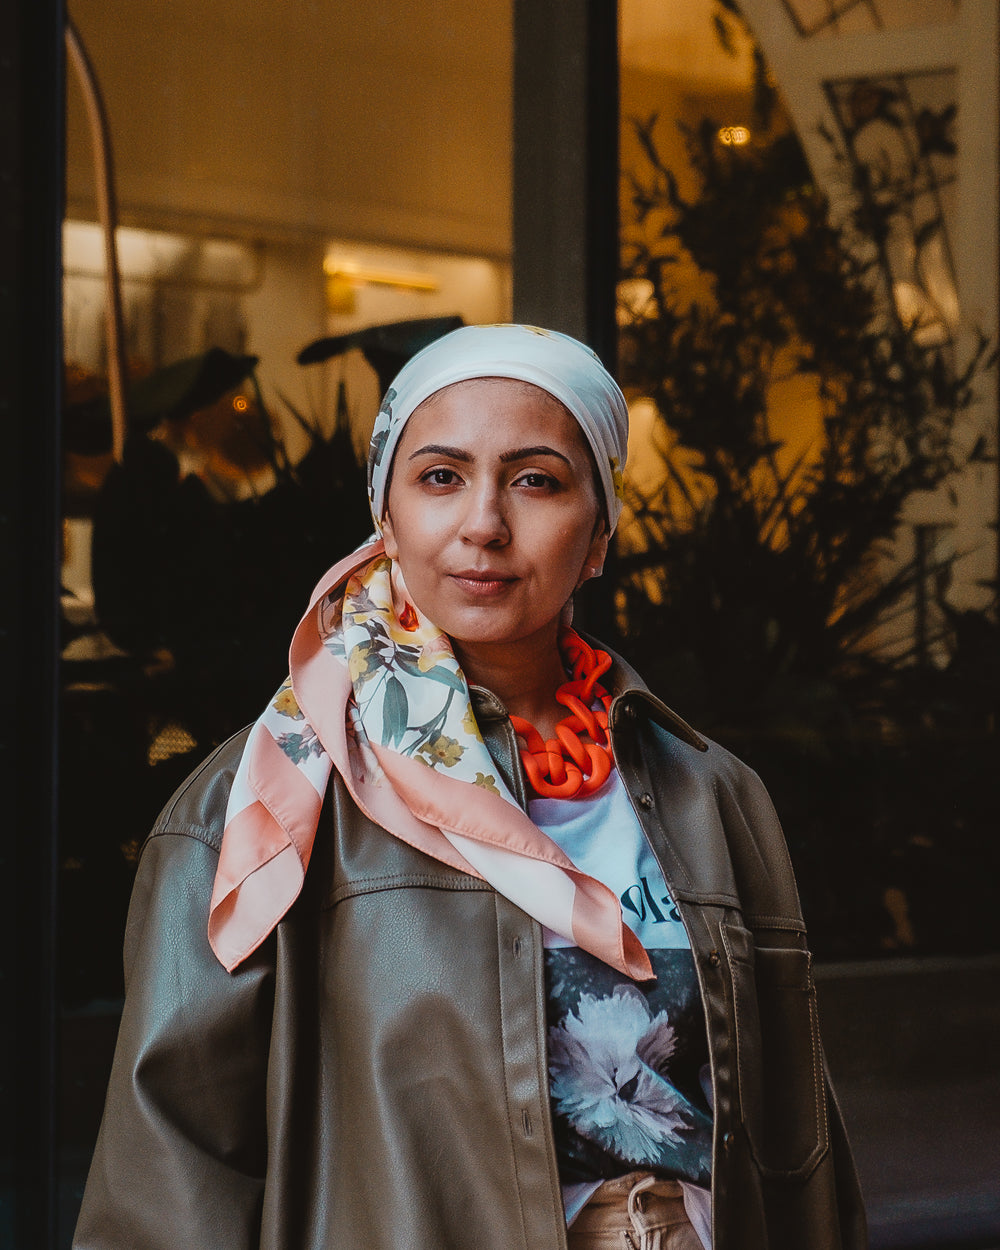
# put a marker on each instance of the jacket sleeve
(180, 1158)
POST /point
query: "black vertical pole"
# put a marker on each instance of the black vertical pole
(603, 124)
(31, 194)
(566, 167)
(566, 111)
(596, 609)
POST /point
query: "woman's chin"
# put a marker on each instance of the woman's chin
(485, 630)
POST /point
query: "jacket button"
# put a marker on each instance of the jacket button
(714, 959)
(727, 1140)
(645, 800)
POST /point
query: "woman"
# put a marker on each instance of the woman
(471, 941)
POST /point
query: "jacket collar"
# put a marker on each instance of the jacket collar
(629, 693)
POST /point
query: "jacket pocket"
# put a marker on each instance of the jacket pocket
(782, 1086)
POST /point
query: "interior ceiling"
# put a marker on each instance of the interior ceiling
(388, 120)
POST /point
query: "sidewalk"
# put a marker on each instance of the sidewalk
(914, 1050)
(929, 1159)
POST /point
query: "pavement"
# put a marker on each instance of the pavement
(929, 1161)
(914, 1052)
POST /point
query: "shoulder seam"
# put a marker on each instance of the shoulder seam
(200, 833)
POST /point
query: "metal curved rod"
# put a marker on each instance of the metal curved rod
(107, 211)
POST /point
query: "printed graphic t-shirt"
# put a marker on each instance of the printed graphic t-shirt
(628, 1061)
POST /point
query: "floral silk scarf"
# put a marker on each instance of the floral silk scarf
(376, 692)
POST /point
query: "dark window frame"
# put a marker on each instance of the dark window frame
(31, 200)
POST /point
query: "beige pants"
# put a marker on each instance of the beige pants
(634, 1212)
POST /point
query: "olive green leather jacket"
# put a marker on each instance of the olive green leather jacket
(375, 1075)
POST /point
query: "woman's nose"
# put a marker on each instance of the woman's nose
(483, 521)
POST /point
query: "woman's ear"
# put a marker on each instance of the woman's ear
(593, 566)
(389, 537)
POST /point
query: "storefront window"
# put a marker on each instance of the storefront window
(810, 568)
(287, 188)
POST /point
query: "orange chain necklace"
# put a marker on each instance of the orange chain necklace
(564, 767)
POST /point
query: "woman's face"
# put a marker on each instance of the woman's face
(492, 511)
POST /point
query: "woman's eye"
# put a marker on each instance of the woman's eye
(536, 480)
(440, 477)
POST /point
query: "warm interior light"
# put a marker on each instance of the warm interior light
(337, 269)
(734, 136)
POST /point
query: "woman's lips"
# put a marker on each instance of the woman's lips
(482, 583)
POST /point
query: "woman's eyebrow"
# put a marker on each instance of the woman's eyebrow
(529, 453)
(459, 453)
(439, 449)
